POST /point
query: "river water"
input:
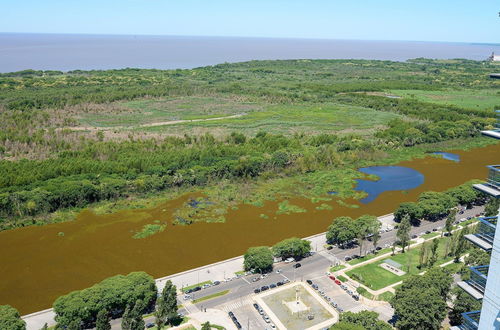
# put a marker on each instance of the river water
(65, 52)
(38, 264)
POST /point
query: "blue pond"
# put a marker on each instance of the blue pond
(391, 178)
(449, 156)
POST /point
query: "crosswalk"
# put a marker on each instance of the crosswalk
(235, 304)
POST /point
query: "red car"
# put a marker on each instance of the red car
(338, 282)
(332, 277)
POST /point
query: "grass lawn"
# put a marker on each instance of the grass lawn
(342, 278)
(336, 268)
(430, 235)
(375, 277)
(386, 296)
(195, 285)
(211, 296)
(362, 291)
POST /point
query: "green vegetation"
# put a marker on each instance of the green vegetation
(342, 278)
(211, 296)
(364, 320)
(344, 230)
(420, 303)
(184, 289)
(258, 259)
(286, 208)
(414, 261)
(149, 229)
(133, 293)
(108, 138)
(433, 205)
(337, 268)
(386, 296)
(166, 306)
(292, 247)
(362, 291)
(10, 318)
(368, 256)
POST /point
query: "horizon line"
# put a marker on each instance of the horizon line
(246, 37)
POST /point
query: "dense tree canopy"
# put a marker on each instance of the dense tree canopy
(10, 318)
(366, 319)
(259, 259)
(292, 247)
(420, 303)
(113, 294)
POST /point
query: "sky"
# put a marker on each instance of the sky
(420, 20)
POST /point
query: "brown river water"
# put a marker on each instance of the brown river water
(37, 265)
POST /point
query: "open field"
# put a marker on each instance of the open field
(471, 99)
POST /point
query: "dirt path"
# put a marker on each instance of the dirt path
(160, 123)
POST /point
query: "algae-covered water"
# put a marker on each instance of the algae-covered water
(38, 264)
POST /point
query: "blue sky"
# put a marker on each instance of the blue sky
(425, 20)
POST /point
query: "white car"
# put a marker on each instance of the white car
(288, 260)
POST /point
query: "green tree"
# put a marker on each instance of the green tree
(166, 305)
(492, 207)
(411, 209)
(75, 324)
(10, 318)
(367, 225)
(102, 322)
(403, 233)
(132, 318)
(206, 326)
(366, 319)
(450, 219)
(462, 303)
(346, 326)
(342, 230)
(420, 302)
(45, 327)
(292, 247)
(258, 258)
(434, 249)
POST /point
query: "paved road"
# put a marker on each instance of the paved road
(312, 267)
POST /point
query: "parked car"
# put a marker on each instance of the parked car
(231, 314)
(150, 325)
(347, 258)
(256, 306)
(309, 282)
(338, 282)
(279, 283)
(216, 282)
(315, 286)
(289, 260)
(332, 277)
(256, 290)
(272, 285)
(297, 265)
(414, 236)
(286, 281)
(264, 288)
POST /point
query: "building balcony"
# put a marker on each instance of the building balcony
(476, 285)
(492, 184)
(485, 233)
(471, 320)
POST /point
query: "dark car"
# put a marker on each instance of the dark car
(347, 258)
(150, 325)
(272, 286)
(256, 306)
(427, 231)
(237, 324)
(256, 290)
(355, 256)
(315, 287)
(231, 314)
(309, 282)
(264, 288)
(297, 265)
(216, 282)
(414, 236)
(280, 283)
(198, 288)
(378, 248)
